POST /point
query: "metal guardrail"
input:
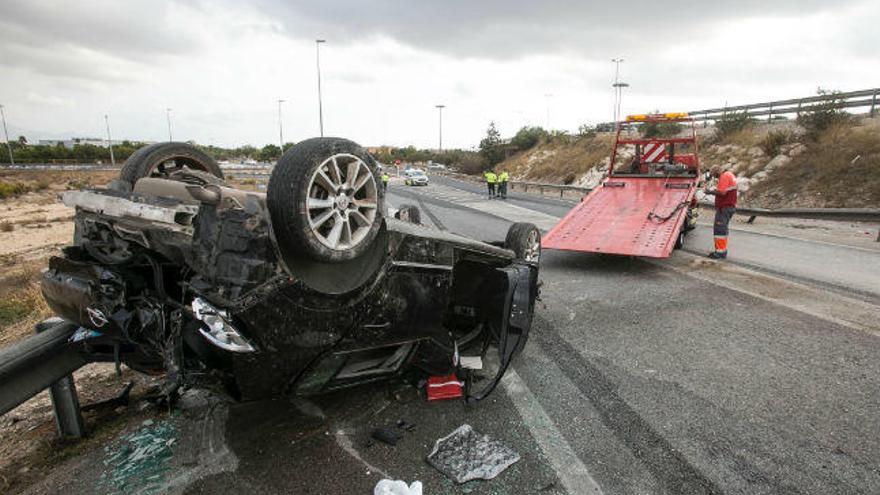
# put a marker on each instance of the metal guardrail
(852, 99)
(541, 187)
(44, 360)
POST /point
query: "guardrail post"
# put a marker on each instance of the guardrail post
(770, 113)
(561, 192)
(873, 103)
(65, 402)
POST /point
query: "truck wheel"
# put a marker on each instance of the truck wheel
(679, 241)
(409, 213)
(164, 160)
(325, 201)
(524, 239)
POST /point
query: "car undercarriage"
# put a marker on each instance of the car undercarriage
(305, 289)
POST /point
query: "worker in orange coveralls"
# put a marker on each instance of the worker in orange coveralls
(725, 207)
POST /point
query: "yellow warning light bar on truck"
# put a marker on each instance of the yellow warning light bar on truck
(657, 117)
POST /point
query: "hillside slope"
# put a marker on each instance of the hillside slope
(776, 164)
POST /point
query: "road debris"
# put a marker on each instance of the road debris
(141, 460)
(466, 455)
(397, 487)
(387, 434)
(444, 387)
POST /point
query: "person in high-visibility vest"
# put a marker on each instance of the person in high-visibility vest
(502, 183)
(385, 180)
(725, 207)
(491, 178)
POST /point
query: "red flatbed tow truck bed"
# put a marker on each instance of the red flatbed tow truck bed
(641, 211)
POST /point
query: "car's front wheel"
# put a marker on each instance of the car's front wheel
(524, 239)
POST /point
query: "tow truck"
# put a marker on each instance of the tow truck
(643, 206)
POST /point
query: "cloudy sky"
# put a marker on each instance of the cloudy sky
(221, 66)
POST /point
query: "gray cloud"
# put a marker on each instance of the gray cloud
(503, 29)
(66, 38)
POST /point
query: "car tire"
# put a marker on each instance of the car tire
(316, 209)
(409, 213)
(679, 241)
(152, 160)
(524, 239)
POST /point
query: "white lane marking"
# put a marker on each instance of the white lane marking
(348, 446)
(571, 471)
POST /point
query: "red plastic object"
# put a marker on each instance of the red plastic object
(444, 387)
(613, 218)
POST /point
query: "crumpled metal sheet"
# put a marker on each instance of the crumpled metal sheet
(466, 455)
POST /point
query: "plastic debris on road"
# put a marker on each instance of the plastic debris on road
(387, 435)
(466, 455)
(397, 487)
(444, 387)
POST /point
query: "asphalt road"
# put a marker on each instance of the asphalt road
(675, 377)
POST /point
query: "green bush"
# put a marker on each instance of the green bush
(818, 117)
(659, 129)
(587, 131)
(491, 148)
(730, 123)
(10, 189)
(527, 137)
(774, 140)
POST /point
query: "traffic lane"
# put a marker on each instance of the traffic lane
(323, 445)
(707, 389)
(447, 215)
(668, 384)
(837, 266)
(551, 206)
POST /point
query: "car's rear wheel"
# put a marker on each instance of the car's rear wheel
(325, 201)
(524, 239)
(167, 160)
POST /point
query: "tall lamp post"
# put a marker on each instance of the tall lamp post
(280, 127)
(616, 104)
(547, 102)
(320, 106)
(6, 134)
(618, 86)
(440, 127)
(168, 118)
(109, 140)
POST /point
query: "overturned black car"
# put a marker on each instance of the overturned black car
(305, 289)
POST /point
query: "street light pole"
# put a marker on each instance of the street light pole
(619, 86)
(109, 140)
(440, 114)
(280, 127)
(6, 134)
(320, 105)
(168, 118)
(616, 106)
(547, 101)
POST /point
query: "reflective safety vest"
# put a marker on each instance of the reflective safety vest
(384, 177)
(491, 177)
(502, 177)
